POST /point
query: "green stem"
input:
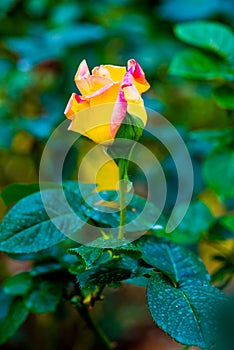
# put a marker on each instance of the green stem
(186, 347)
(98, 331)
(122, 200)
(123, 178)
(117, 151)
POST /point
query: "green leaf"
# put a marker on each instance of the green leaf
(131, 129)
(76, 269)
(44, 298)
(196, 65)
(218, 172)
(187, 313)
(118, 246)
(224, 96)
(27, 228)
(129, 250)
(113, 271)
(15, 316)
(87, 255)
(177, 262)
(18, 284)
(111, 243)
(212, 36)
(128, 133)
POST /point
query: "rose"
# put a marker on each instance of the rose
(106, 95)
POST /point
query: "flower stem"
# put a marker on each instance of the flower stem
(98, 331)
(123, 178)
(122, 200)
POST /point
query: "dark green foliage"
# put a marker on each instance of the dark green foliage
(44, 297)
(180, 298)
(179, 291)
(194, 64)
(214, 37)
(200, 303)
(111, 272)
(174, 261)
(15, 316)
(87, 255)
(27, 228)
(18, 284)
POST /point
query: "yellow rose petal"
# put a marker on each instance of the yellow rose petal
(94, 123)
(131, 94)
(138, 110)
(98, 83)
(141, 87)
(101, 71)
(135, 103)
(74, 106)
(82, 78)
(116, 72)
(109, 95)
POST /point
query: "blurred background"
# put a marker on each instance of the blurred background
(41, 45)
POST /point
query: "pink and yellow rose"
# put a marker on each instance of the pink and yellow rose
(106, 95)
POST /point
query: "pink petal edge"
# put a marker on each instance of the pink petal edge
(69, 104)
(119, 112)
(68, 109)
(83, 70)
(100, 91)
(137, 72)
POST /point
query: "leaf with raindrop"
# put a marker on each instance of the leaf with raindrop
(177, 262)
(187, 312)
(28, 227)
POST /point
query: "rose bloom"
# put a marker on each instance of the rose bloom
(106, 95)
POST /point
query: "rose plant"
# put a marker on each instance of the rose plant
(180, 297)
